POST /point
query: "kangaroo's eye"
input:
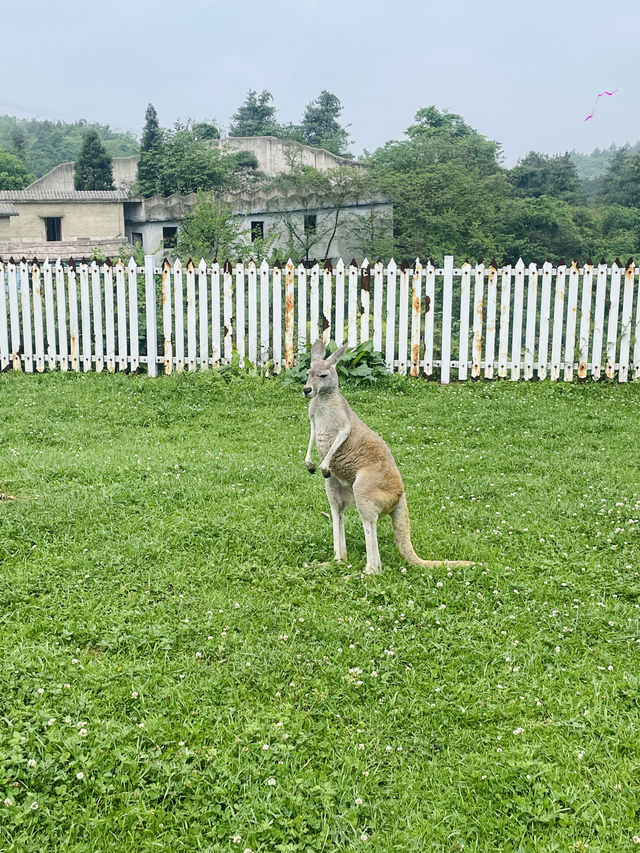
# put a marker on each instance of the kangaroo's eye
(323, 375)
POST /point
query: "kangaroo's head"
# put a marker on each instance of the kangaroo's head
(322, 377)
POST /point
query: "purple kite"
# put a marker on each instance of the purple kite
(596, 101)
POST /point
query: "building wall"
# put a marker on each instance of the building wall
(60, 178)
(5, 227)
(96, 221)
(278, 155)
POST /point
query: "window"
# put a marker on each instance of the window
(257, 230)
(53, 227)
(136, 238)
(169, 233)
(310, 223)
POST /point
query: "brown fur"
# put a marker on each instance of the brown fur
(357, 464)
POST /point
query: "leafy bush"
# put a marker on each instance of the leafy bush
(361, 365)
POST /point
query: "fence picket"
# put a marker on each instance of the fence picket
(215, 315)
(289, 314)
(134, 346)
(478, 317)
(416, 317)
(625, 331)
(378, 284)
(227, 308)
(192, 343)
(178, 315)
(85, 310)
(98, 340)
(150, 309)
(492, 310)
(558, 319)
(403, 325)
(340, 292)
(302, 308)
(572, 314)
(61, 305)
(429, 317)
(612, 322)
(4, 328)
(340, 288)
(265, 346)
(530, 331)
(365, 300)
(327, 287)
(390, 354)
(38, 329)
(352, 327)
(27, 326)
(516, 334)
(314, 295)
(598, 323)
(167, 318)
(50, 317)
(585, 320)
(463, 345)
(240, 313)
(277, 318)
(252, 329)
(109, 316)
(505, 316)
(447, 311)
(203, 312)
(72, 292)
(545, 320)
(121, 305)
(636, 347)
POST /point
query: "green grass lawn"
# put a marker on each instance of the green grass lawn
(179, 673)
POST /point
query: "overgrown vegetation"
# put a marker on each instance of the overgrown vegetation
(183, 670)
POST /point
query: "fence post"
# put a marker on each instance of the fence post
(150, 305)
(447, 307)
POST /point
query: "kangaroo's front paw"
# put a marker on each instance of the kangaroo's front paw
(326, 473)
(311, 468)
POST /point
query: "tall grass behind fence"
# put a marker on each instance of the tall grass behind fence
(448, 323)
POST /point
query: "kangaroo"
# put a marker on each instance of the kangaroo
(358, 467)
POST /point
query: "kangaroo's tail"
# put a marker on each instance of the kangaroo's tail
(402, 535)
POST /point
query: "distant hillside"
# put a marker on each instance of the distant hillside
(594, 165)
(44, 144)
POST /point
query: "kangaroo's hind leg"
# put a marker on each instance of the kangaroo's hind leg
(340, 496)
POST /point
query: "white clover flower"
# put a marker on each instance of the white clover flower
(34, 805)
(237, 838)
(359, 801)
(80, 775)
(31, 762)
(83, 732)
(51, 721)
(134, 694)
(518, 731)
(271, 781)
(8, 802)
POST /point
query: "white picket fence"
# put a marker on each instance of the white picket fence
(478, 321)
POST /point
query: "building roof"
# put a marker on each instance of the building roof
(32, 196)
(8, 209)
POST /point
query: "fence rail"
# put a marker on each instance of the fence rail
(479, 321)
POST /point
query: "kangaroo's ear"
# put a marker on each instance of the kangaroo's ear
(318, 349)
(335, 357)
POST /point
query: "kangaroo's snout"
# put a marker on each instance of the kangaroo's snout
(307, 390)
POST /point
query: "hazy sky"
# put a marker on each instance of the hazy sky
(523, 73)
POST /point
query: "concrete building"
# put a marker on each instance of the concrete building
(52, 219)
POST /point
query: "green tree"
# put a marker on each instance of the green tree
(621, 182)
(312, 206)
(211, 231)
(13, 172)
(93, 169)
(255, 117)
(538, 174)
(320, 126)
(152, 149)
(189, 164)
